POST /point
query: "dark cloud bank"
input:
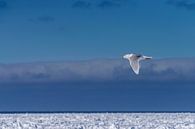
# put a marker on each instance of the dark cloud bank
(94, 71)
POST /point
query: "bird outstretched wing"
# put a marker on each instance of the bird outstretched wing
(134, 63)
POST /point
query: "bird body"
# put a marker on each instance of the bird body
(134, 60)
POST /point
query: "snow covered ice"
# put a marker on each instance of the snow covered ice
(98, 121)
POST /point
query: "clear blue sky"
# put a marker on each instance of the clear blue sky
(39, 30)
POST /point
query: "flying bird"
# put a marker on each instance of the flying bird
(134, 60)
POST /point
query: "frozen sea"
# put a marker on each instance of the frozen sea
(98, 121)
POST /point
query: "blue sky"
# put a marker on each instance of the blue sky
(39, 30)
(66, 55)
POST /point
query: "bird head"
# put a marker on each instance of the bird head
(127, 56)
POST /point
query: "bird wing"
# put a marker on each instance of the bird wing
(134, 63)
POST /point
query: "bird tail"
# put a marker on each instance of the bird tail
(147, 57)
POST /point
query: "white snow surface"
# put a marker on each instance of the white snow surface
(98, 121)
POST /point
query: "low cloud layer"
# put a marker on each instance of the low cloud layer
(98, 71)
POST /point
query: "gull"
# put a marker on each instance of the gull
(134, 60)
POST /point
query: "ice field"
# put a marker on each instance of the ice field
(98, 121)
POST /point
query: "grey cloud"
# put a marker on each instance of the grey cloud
(3, 4)
(81, 4)
(187, 4)
(109, 3)
(171, 69)
(115, 3)
(101, 3)
(98, 71)
(44, 19)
